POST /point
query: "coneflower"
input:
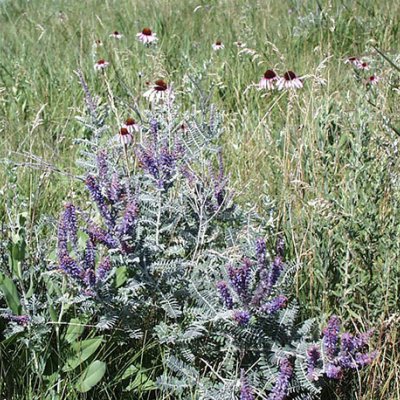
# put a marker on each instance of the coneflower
(269, 80)
(289, 80)
(218, 45)
(116, 35)
(147, 36)
(125, 136)
(160, 90)
(101, 65)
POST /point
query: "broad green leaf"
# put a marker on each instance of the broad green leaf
(91, 376)
(121, 276)
(75, 329)
(10, 293)
(83, 350)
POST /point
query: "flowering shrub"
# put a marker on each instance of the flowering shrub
(164, 263)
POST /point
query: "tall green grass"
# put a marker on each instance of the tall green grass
(326, 155)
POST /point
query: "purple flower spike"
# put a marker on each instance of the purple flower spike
(261, 251)
(241, 317)
(225, 294)
(129, 219)
(90, 255)
(239, 278)
(70, 223)
(102, 167)
(22, 320)
(99, 199)
(100, 235)
(334, 372)
(313, 358)
(279, 391)
(276, 304)
(70, 267)
(246, 392)
(103, 269)
(330, 339)
(89, 278)
(115, 189)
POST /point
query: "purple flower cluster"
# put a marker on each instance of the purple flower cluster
(128, 221)
(331, 336)
(103, 269)
(22, 320)
(261, 251)
(241, 317)
(280, 389)
(246, 391)
(313, 359)
(239, 278)
(160, 161)
(225, 294)
(345, 351)
(70, 267)
(276, 304)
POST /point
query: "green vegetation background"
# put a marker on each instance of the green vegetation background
(327, 156)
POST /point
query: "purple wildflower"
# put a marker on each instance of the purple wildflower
(275, 304)
(102, 167)
(330, 337)
(70, 267)
(239, 278)
(103, 269)
(274, 273)
(99, 235)
(115, 189)
(313, 358)
(333, 371)
(241, 317)
(98, 197)
(22, 320)
(89, 278)
(246, 392)
(129, 219)
(363, 359)
(62, 238)
(280, 389)
(262, 288)
(70, 223)
(261, 251)
(89, 255)
(225, 294)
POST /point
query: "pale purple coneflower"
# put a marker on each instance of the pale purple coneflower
(97, 43)
(269, 80)
(289, 80)
(116, 35)
(101, 64)
(218, 45)
(363, 65)
(239, 44)
(355, 61)
(125, 136)
(160, 90)
(131, 125)
(147, 36)
(373, 80)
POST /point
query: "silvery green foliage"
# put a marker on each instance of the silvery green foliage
(161, 251)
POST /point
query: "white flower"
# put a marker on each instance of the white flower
(239, 44)
(116, 35)
(101, 64)
(269, 80)
(124, 136)
(147, 36)
(373, 80)
(289, 80)
(159, 91)
(131, 125)
(218, 45)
